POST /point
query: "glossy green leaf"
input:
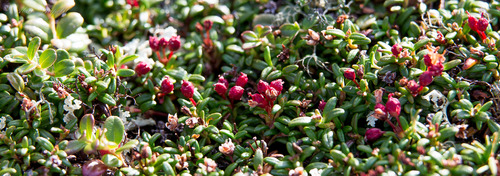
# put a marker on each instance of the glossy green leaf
(33, 47)
(125, 72)
(111, 160)
(68, 24)
(114, 129)
(64, 68)
(61, 6)
(48, 58)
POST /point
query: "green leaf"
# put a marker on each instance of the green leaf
(129, 145)
(106, 98)
(213, 18)
(26, 68)
(75, 146)
(335, 32)
(16, 81)
(267, 56)
(48, 58)
(359, 39)
(125, 72)
(301, 121)
(250, 45)
(38, 27)
(127, 59)
(87, 126)
(38, 5)
(290, 30)
(45, 143)
(64, 68)
(249, 36)
(235, 48)
(33, 47)
(68, 24)
(61, 7)
(114, 129)
(111, 160)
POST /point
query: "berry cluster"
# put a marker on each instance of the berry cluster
(478, 25)
(267, 94)
(236, 91)
(158, 45)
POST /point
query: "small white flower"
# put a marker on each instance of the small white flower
(371, 119)
(315, 172)
(70, 107)
(437, 99)
(2, 122)
(166, 33)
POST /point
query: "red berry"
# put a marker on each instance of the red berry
(277, 84)
(242, 80)
(350, 74)
(472, 22)
(220, 88)
(396, 49)
(174, 43)
(187, 89)
(425, 79)
(163, 43)
(393, 107)
(142, 68)
(166, 85)
(373, 134)
(262, 87)
(236, 92)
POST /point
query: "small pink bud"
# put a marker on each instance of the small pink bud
(220, 88)
(153, 43)
(187, 89)
(396, 49)
(413, 87)
(381, 107)
(482, 24)
(174, 43)
(373, 134)
(262, 87)
(133, 3)
(236, 92)
(242, 80)
(350, 74)
(437, 69)
(472, 22)
(393, 107)
(277, 84)
(257, 100)
(142, 68)
(208, 24)
(223, 81)
(322, 105)
(167, 86)
(427, 60)
(440, 38)
(163, 43)
(425, 79)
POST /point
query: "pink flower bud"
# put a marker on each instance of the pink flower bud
(163, 43)
(277, 84)
(236, 92)
(257, 100)
(482, 24)
(167, 86)
(413, 87)
(142, 68)
(223, 81)
(242, 80)
(153, 43)
(262, 87)
(322, 105)
(425, 79)
(350, 74)
(393, 107)
(427, 60)
(220, 88)
(396, 49)
(472, 22)
(373, 134)
(187, 89)
(381, 107)
(208, 24)
(133, 3)
(436, 69)
(174, 43)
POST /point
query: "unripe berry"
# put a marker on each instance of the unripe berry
(174, 43)
(242, 80)
(187, 89)
(142, 68)
(236, 92)
(167, 86)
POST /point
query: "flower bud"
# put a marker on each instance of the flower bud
(322, 105)
(427, 60)
(166, 85)
(208, 24)
(242, 80)
(223, 81)
(350, 74)
(262, 86)
(380, 107)
(413, 87)
(142, 68)
(163, 43)
(436, 69)
(236, 92)
(220, 88)
(373, 134)
(396, 49)
(472, 22)
(393, 107)
(227, 148)
(187, 89)
(425, 79)
(174, 43)
(469, 63)
(277, 84)
(257, 100)
(482, 24)
(314, 35)
(153, 43)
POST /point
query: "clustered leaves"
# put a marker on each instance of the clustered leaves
(250, 87)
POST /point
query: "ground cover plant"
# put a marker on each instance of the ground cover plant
(249, 87)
